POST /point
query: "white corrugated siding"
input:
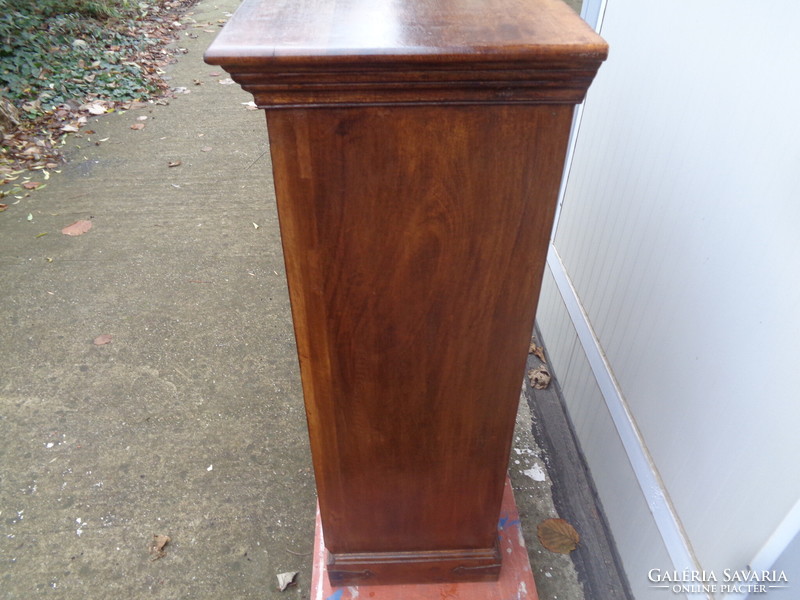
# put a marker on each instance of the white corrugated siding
(680, 231)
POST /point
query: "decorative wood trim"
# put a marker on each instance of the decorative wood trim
(322, 53)
(513, 85)
(414, 567)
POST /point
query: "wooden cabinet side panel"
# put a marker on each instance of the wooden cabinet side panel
(415, 240)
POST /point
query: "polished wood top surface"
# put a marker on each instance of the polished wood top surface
(459, 30)
(354, 52)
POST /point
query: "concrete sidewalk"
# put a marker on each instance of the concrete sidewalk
(190, 422)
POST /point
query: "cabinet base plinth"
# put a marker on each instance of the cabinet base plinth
(500, 572)
(380, 568)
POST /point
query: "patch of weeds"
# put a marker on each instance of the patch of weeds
(51, 55)
(64, 61)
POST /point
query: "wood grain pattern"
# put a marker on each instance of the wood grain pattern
(290, 52)
(415, 240)
(417, 148)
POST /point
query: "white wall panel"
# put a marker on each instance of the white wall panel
(680, 230)
(627, 512)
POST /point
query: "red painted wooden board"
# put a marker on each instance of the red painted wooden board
(515, 583)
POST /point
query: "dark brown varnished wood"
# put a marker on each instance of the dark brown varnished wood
(417, 149)
(415, 240)
(302, 52)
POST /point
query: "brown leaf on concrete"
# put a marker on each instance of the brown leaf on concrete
(537, 351)
(137, 126)
(77, 228)
(157, 546)
(540, 378)
(31, 185)
(102, 340)
(558, 536)
(3, 207)
(174, 163)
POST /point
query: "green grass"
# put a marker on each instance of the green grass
(54, 51)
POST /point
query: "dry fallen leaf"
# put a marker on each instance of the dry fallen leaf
(77, 228)
(157, 546)
(95, 108)
(558, 536)
(286, 579)
(102, 340)
(31, 185)
(3, 207)
(540, 378)
(537, 351)
(137, 126)
(175, 163)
